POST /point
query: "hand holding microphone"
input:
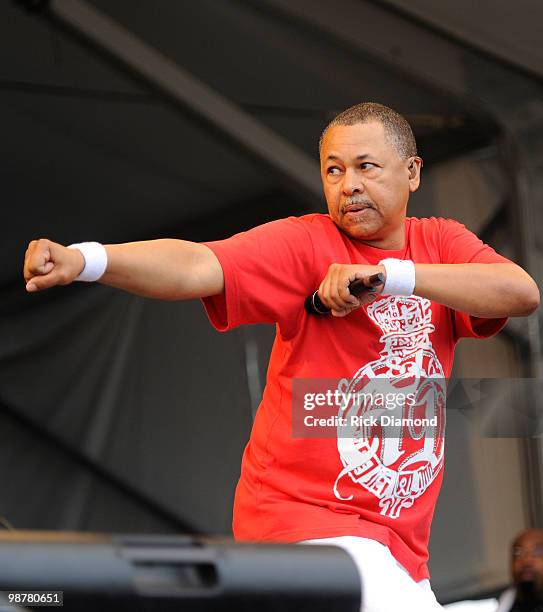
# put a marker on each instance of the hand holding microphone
(344, 283)
(340, 288)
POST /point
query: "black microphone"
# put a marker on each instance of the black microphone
(313, 303)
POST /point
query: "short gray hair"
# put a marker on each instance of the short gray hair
(397, 129)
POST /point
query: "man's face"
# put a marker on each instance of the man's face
(367, 183)
(527, 563)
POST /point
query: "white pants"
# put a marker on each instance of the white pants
(386, 585)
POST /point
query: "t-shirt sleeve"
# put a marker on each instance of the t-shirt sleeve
(460, 245)
(268, 271)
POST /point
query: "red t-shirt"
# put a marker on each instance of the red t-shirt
(298, 488)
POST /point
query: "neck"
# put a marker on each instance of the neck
(529, 593)
(391, 242)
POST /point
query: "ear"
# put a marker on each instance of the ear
(414, 167)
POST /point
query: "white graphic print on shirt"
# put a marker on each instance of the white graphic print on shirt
(396, 469)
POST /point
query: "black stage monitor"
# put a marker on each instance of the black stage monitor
(161, 573)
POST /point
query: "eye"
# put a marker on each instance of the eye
(367, 165)
(334, 170)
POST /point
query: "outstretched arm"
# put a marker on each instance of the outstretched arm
(167, 269)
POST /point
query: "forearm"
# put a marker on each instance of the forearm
(484, 290)
(165, 269)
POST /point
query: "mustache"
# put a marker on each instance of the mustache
(356, 201)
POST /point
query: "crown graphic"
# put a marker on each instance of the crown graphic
(401, 314)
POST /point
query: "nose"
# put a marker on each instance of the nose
(352, 182)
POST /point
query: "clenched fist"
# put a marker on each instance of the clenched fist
(48, 264)
(334, 289)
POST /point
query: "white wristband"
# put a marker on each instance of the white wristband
(400, 276)
(95, 257)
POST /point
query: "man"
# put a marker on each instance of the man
(370, 494)
(527, 572)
